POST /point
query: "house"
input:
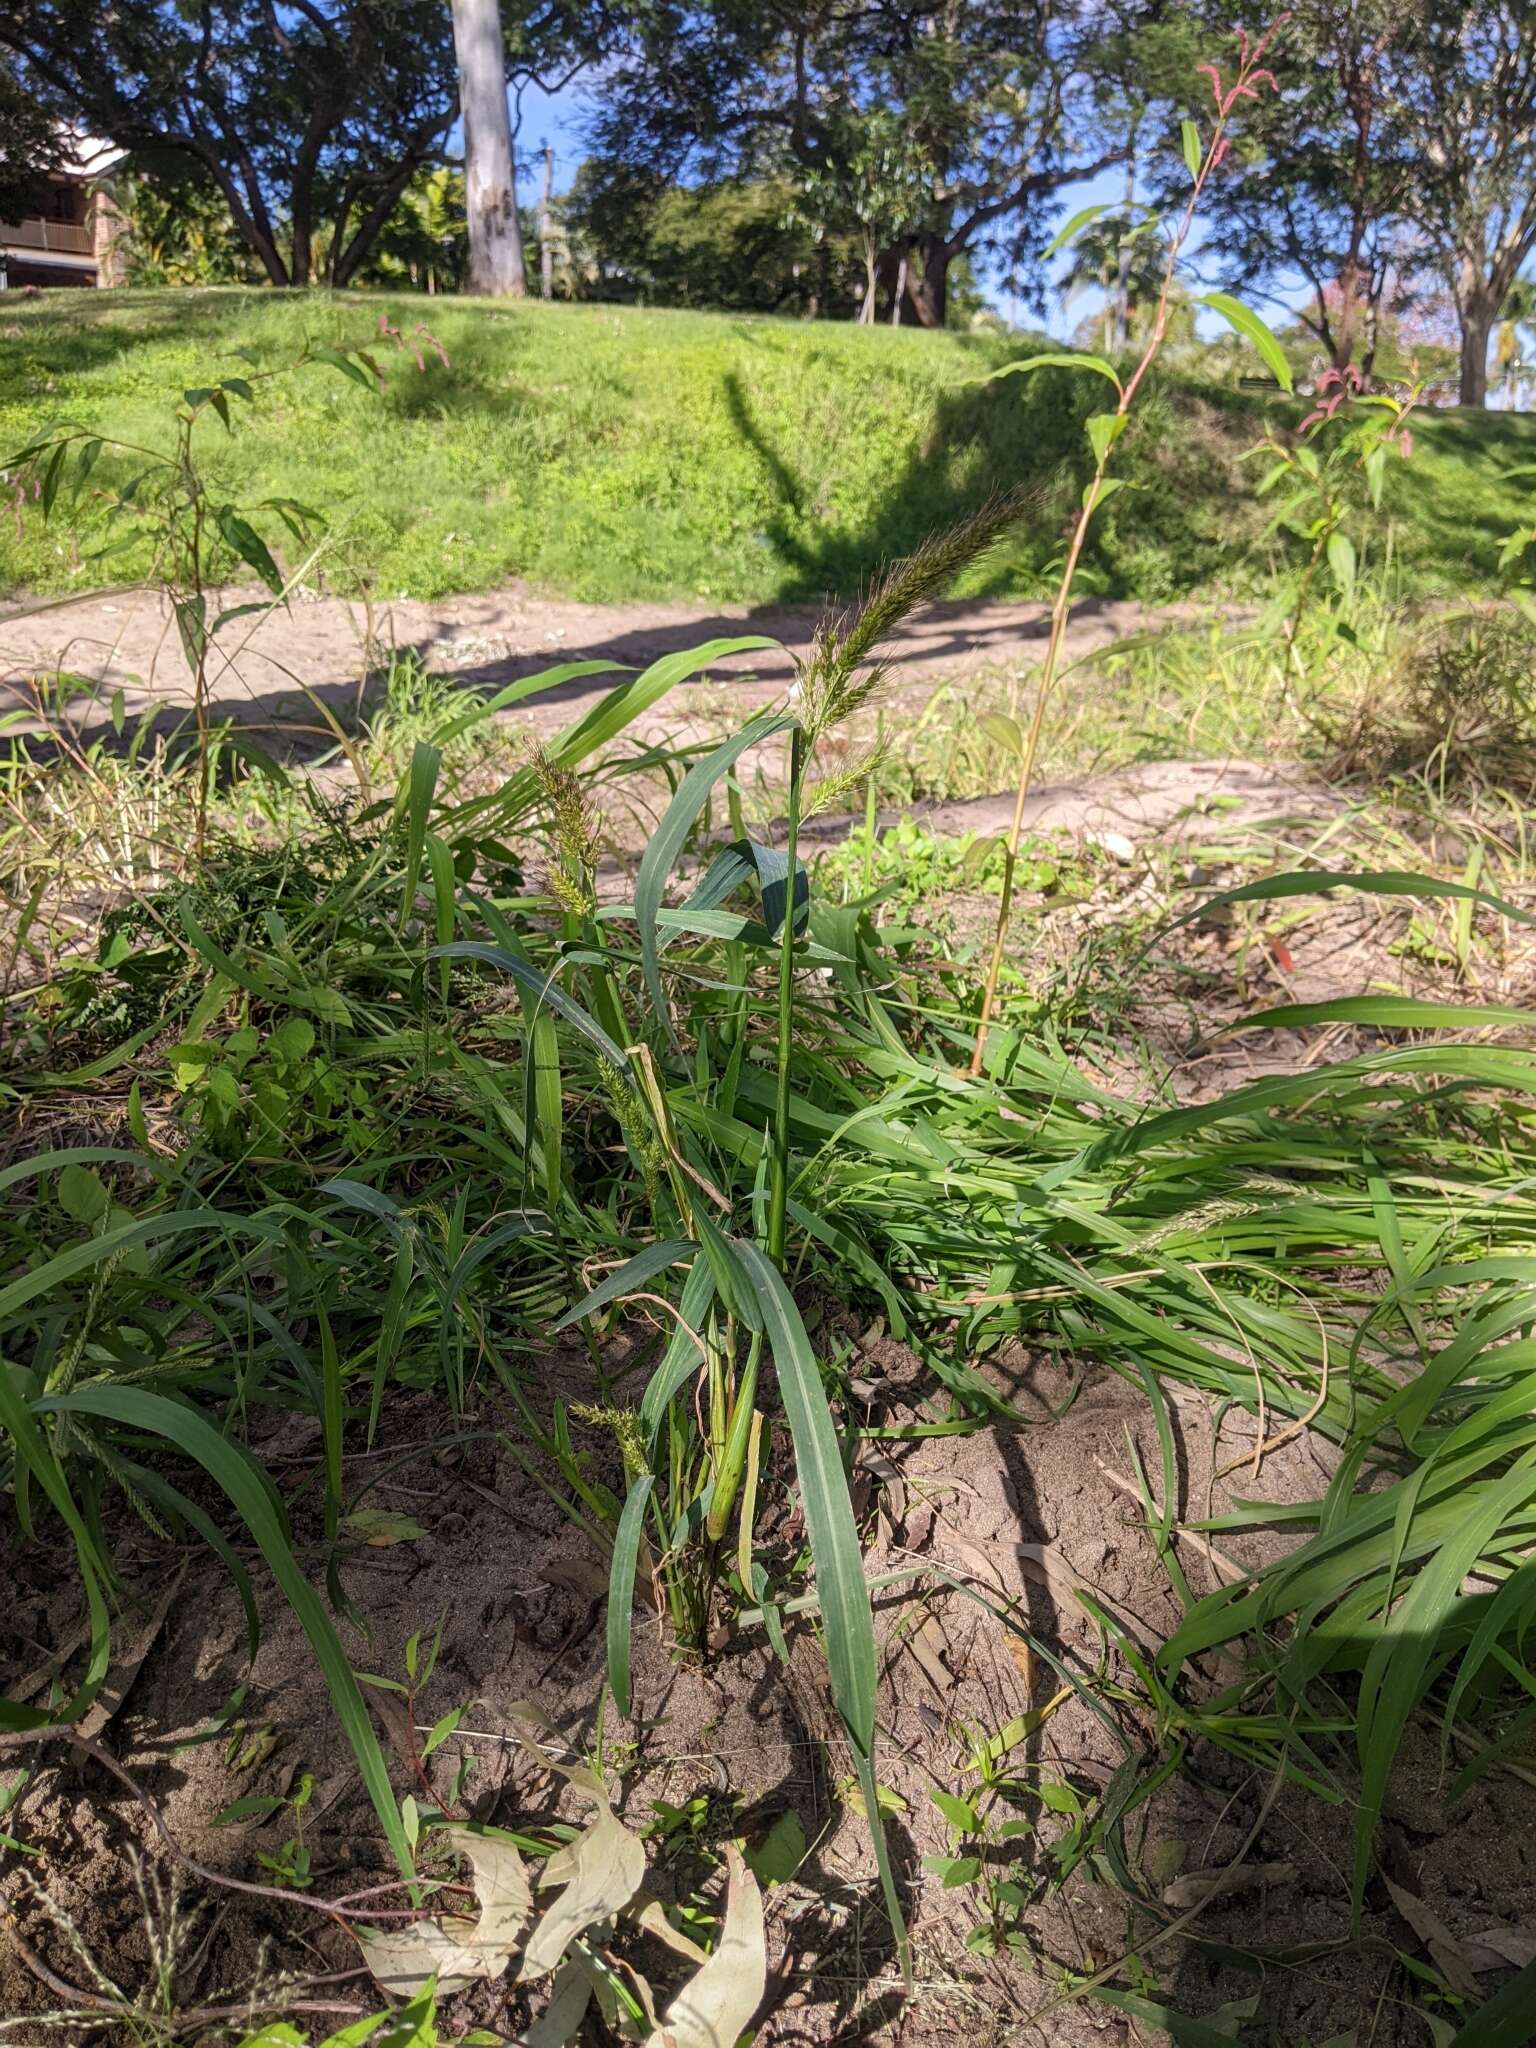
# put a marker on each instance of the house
(70, 234)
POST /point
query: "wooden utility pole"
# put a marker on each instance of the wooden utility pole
(546, 245)
(496, 267)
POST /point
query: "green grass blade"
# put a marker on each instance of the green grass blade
(34, 1455)
(1385, 1013)
(84, 1155)
(834, 1538)
(633, 699)
(848, 1628)
(540, 986)
(621, 1588)
(666, 842)
(391, 1327)
(645, 1265)
(1369, 882)
(416, 801)
(515, 693)
(79, 1258)
(231, 1470)
(332, 1415)
(1401, 1654)
(683, 1356)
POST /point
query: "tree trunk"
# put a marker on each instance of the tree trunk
(1476, 326)
(496, 267)
(867, 310)
(1122, 314)
(1349, 313)
(546, 227)
(1372, 328)
(929, 290)
(822, 286)
(900, 290)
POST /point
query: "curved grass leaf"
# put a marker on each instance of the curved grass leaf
(34, 1456)
(683, 1356)
(1248, 324)
(79, 1258)
(84, 1155)
(540, 986)
(1386, 1013)
(1054, 360)
(645, 1265)
(633, 699)
(834, 1538)
(1402, 1652)
(235, 1473)
(1368, 882)
(678, 820)
(1074, 227)
(520, 794)
(414, 804)
(514, 693)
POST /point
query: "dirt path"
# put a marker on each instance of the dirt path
(127, 640)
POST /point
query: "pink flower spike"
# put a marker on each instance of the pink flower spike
(1405, 442)
(1209, 71)
(1220, 151)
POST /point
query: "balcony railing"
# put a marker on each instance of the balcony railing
(61, 238)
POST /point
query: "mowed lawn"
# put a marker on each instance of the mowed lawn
(612, 453)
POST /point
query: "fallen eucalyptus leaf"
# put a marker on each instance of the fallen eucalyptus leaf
(404, 1960)
(654, 1920)
(505, 1895)
(715, 2008)
(459, 1950)
(529, 1724)
(1496, 1948)
(567, 2008)
(607, 1867)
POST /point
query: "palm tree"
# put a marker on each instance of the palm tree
(1519, 311)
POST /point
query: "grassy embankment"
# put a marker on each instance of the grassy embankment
(608, 454)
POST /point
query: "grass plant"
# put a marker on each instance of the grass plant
(322, 1099)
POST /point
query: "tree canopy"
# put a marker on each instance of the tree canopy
(317, 113)
(31, 144)
(940, 130)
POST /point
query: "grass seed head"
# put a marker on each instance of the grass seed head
(841, 674)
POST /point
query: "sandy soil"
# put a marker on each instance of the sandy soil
(1024, 1510)
(127, 640)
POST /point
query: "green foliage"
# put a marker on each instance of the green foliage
(30, 144)
(176, 227)
(619, 454)
(730, 246)
(405, 1096)
(424, 245)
